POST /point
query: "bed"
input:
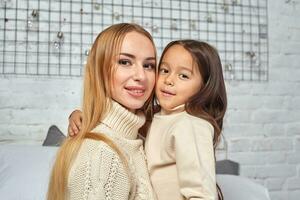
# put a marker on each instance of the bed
(25, 169)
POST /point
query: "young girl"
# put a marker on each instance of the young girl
(106, 161)
(180, 145)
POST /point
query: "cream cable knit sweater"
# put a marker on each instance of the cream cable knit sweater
(99, 173)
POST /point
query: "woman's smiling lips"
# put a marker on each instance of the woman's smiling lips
(135, 91)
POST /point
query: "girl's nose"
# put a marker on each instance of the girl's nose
(169, 81)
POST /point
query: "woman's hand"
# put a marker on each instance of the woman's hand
(75, 120)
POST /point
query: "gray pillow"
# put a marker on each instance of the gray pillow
(227, 167)
(54, 137)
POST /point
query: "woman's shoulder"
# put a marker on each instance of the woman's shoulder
(96, 166)
(99, 156)
(93, 147)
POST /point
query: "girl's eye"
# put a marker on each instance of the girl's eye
(163, 71)
(149, 66)
(124, 62)
(183, 76)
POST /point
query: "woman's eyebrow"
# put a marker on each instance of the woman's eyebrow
(128, 55)
(133, 56)
(150, 58)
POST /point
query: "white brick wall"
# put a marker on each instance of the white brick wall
(262, 124)
(30, 105)
(263, 120)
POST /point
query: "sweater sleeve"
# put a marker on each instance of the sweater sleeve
(98, 173)
(195, 162)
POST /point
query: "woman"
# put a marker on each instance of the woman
(106, 160)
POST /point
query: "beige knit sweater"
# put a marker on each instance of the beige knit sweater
(98, 172)
(180, 154)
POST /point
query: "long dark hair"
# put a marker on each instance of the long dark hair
(210, 102)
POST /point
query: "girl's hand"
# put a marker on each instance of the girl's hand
(75, 120)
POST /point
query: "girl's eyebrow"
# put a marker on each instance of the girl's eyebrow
(185, 68)
(180, 66)
(164, 63)
(133, 56)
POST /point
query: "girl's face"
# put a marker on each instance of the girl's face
(134, 71)
(178, 79)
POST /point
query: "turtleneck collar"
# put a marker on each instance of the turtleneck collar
(122, 121)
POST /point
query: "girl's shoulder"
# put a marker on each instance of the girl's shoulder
(187, 124)
(187, 119)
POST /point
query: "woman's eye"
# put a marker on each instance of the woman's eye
(124, 62)
(183, 76)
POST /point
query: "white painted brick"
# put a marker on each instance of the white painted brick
(239, 145)
(294, 102)
(291, 58)
(297, 144)
(277, 61)
(248, 158)
(293, 195)
(272, 144)
(273, 116)
(243, 129)
(291, 47)
(275, 183)
(41, 85)
(278, 195)
(21, 132)
(293, 183)
(244, 102)
(248, 171)
(272, 102)
(238, 116)
(37, 101)
(277, 157)
(297, 85)
(278, 170)
(274, 88)
(221, 155)
(293, 158)
(284, 75)
(261, 145)
(238, 88)
(5, 116)
(274, 129)
(292, 129)
(258, 158)
(37, 116)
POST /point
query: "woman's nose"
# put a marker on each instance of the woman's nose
(139, 73)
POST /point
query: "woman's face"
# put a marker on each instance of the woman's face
(134, 74)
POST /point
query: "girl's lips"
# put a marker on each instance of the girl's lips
(135, 91)
(167, 93)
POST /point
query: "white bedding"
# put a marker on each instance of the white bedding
(24, 175)
(24, 171)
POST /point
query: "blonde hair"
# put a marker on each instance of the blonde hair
(96, 102)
